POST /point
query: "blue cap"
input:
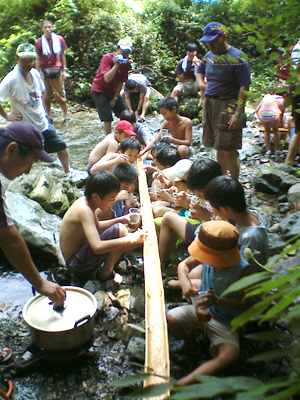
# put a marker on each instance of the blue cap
(211, 32)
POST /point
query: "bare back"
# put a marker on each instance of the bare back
(108, 145)
(72, 234)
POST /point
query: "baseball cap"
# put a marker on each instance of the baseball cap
(211, 32)
(26, 50)
(216, 244)
(27, 134)
(125, 44)
(126, 127)
(179, 171)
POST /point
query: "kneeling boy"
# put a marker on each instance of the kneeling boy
(86, 242)
(217, 248)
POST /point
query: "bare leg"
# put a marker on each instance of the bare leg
(276, 133)
(63, 155)
(267, 134)
(176, 93)
(293, 149)
(172, 224)
(47, 103)
(229, 161)
(107, 127)
(145, 107)
(183, 151)
(228, 354)
(64, 107)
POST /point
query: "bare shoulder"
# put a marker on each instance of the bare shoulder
(186, 121)
(78, 210)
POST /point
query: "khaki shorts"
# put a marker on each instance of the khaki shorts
(216, 331)
(187, 88)
(215, 130)
(58, 87)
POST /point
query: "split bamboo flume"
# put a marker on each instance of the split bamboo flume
(157, 346)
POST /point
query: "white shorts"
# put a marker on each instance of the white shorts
(217, 332)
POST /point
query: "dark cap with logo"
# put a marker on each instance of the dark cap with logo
(27, 134)
(211, 32)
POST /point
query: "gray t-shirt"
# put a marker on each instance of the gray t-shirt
(142, 83)
(256, 238)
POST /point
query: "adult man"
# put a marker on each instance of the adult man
(107, 84)
(21, 145)
(138, 83)
(295, 140)
(51, 61)
(24, 87)
(185, 72)
(228, 80)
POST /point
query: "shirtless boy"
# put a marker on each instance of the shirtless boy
(128, 153)
(110, 144)
(179, 127)
(85, 241)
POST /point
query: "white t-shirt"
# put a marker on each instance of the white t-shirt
(32, 109)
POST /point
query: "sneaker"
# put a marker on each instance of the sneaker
(66, 121)
(277, 156)
(268, 153)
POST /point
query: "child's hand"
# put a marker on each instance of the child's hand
(195, 211)
(138, 236)
(189, 291)
(183, 199)
(163, 194)
(121, 158)
(210, 299)
(150, 169)
(158, 175)
(122, 195)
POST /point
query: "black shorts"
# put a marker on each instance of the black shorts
(102, 103)
(53, 142)
(296, 107)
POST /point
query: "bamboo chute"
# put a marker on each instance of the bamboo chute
(157, 345)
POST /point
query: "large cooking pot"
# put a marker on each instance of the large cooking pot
(65, 328)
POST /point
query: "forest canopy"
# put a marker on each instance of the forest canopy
(159, 30)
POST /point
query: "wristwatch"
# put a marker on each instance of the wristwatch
(237, 113)
(65, 69)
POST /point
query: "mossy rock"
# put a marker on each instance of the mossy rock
(190, 107)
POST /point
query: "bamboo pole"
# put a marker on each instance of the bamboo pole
(157, 345)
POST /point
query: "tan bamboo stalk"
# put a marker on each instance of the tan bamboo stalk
(157, 345)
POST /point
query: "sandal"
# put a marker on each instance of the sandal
(8, 352)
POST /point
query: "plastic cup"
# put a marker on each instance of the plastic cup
(202, 311)
(134, 218)
(195, 201)
(165, 133)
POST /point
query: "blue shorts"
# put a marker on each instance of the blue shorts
(85, 261)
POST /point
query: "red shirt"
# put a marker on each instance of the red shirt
(99, 84)
(52, 60)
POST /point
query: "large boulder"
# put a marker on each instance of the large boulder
(50, 187)
(190, 106)
(272, 180)
(39, 229)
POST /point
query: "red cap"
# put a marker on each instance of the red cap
(126, 127)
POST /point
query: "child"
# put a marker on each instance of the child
(217, 248)
(173, 225)
(110, 143)
(269, 112)
(227, 198)
(179, 127)
(86, 242)
(127, 176)
(141, 131)
(128, 153)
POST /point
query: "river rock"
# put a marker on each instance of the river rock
(294, 193)
(136, 348)
(137, 300)
(249, 149)
(100, 296)
(290, 226)
(39, 229)
(131, 330)
(272, 180)
(190, 106)
(50, 187)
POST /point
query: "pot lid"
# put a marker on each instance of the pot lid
(40, 314)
